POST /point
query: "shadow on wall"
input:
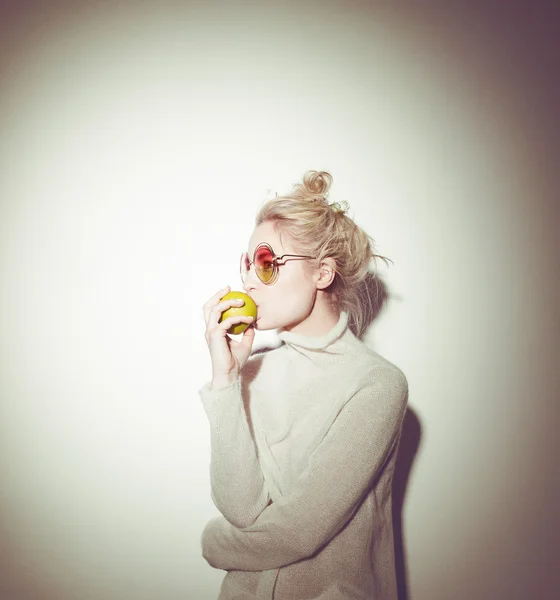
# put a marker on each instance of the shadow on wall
(408, 448)
(373, 297)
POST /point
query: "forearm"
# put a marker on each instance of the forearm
(283, 534)
(238, 486)
(229, 548)
(325, 496)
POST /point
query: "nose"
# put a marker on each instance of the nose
(248, 285)
(251, 280)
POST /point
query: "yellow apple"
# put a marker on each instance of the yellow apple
(249, 309)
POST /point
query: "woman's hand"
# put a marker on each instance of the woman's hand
(228, 356)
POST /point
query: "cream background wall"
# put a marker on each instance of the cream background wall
(136, 143)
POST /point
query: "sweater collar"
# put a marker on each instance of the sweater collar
(316, 342)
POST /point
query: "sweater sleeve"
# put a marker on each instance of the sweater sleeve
(327, 494)
(238, 486)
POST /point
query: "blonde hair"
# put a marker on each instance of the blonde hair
(323, 230)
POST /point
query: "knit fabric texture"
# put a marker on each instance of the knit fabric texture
(303, 450)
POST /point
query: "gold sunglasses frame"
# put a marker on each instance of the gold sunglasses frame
(275, 261)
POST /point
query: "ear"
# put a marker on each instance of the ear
(327, 271)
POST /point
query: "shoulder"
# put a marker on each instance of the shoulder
(382, 369)
(373, 367)
(382, 380)
(377, 401)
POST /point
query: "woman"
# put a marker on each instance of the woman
(303, 437)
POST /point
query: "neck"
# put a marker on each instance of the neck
(320, 321)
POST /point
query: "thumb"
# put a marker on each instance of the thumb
(248, 337)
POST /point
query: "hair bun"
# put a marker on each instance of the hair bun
(317, 183)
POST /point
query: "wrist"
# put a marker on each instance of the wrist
(222, 381)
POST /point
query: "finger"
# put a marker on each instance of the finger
(214, 300)
(216, 311)
(234, 320)
(220, 329)
(217, 296)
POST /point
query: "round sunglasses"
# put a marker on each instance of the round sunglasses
(266, 263)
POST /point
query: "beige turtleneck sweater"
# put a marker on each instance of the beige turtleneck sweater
(303, 449)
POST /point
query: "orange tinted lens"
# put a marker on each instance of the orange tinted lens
(264, 264)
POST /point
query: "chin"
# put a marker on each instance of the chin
(279, 320)
(262, 325)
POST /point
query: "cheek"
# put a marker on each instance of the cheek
(294, 290)
(286, 302)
